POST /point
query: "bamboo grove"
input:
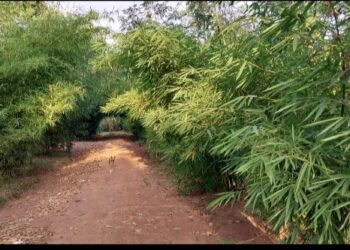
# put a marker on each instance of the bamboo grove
(48, 88)
(258, 110)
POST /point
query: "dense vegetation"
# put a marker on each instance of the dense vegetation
(254, 106)
(48, 91)
(261, 104)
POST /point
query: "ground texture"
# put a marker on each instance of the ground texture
(87, 198)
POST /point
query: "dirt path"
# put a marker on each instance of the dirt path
(85, 199)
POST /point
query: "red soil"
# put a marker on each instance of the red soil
(88, 199)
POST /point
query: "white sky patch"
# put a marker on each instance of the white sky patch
(101, 6)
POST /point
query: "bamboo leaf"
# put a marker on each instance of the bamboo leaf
(241, 69)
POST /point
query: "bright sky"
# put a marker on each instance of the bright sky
(100, 6)
(97, 5)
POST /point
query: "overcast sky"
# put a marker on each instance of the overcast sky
(97, 5)
(101, 6)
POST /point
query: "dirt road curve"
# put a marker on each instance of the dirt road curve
(87, 199)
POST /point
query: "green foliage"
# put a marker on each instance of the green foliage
(263, 103)
(288, 152)
(131, 102)
(109, 124)
(47, 85)
(256, 107)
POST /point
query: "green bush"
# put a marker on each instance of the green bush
(47, 85)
